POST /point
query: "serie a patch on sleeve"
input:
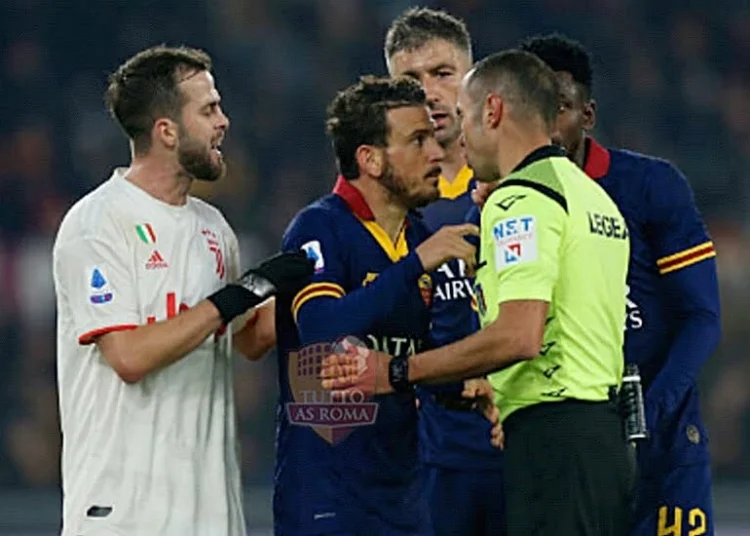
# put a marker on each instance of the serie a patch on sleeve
(100, 292)
(515, 241)
(315, 252)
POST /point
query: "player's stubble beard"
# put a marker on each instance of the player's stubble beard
(196, 159)
(449, 134)
(399, 192)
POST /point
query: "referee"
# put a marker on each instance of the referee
(550, 286)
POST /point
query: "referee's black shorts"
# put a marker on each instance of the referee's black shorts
(568, 471)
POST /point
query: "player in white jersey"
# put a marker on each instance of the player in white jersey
(148, 297)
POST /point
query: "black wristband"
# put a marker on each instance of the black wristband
(398, 374)
(233, 300)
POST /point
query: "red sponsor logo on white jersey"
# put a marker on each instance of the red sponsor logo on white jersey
(173, 310)
(156, 261)
(215, 248)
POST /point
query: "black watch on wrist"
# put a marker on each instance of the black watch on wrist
(398, 374)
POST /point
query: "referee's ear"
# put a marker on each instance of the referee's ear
(494, 110)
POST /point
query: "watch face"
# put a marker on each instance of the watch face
(398, 374)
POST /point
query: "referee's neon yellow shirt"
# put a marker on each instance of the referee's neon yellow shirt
(550, 233)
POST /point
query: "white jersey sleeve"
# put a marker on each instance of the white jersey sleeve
(94, 273)
(234, 267)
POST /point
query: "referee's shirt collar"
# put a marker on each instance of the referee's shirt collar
(546, 151)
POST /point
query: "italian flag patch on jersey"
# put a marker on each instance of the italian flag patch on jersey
(146, 233)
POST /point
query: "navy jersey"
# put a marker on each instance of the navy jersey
(450, 438)
(338, 462)
(672, 317)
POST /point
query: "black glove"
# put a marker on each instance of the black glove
(284, 273)
(288, 272)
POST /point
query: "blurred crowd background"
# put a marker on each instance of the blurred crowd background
(672, 78)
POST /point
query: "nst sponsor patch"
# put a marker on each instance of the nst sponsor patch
(515, 241)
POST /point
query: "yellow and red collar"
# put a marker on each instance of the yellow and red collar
(359, 207)
(353, 199)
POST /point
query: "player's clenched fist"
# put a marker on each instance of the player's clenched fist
(287, 272)
(448, 244)
(284, 273)
(480, 390)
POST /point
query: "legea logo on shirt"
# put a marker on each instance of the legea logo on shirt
(331, 418)
(515, 241)
(314, 252)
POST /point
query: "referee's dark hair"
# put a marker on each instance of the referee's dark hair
(562, 53)
(358, 116)
(418, 25)
(524, 82)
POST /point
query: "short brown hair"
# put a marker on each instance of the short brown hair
(358, 116)
(145, 88)
(521, 78)
(418, 25)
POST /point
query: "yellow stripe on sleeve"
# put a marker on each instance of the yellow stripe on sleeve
(686, 257)
(315, 290)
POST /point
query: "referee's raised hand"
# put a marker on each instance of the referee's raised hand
(447, 244)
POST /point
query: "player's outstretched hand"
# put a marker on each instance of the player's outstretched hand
(284, 273)
(355, 369)
(480, 390)
(287, 272)
(482, 191)
(447, 244)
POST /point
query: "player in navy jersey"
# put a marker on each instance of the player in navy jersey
(672, 318)
(351, 466)
(463, 470)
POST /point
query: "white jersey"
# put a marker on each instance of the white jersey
(158, 457)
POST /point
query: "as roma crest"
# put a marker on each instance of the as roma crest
(425, 289)
(315, 407)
